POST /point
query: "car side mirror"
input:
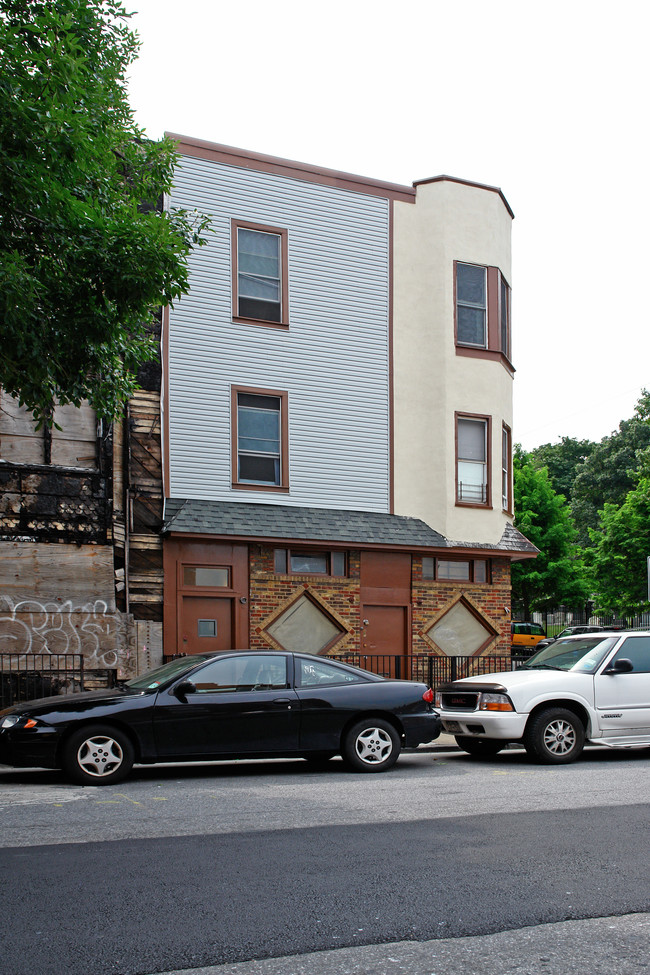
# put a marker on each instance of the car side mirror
(185, 687)
(620, 666)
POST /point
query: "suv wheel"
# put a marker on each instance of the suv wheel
(555, 736)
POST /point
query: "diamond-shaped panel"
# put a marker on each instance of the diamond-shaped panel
(459, 632)
(304, 627)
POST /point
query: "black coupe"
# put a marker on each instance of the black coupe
(238, 704)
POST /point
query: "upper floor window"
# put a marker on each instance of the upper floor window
(471, 305)
(482, 311)
(260, 433)
(260, 287)
(472, 460)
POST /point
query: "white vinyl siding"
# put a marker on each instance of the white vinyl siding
(333, 359)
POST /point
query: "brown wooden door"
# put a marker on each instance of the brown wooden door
(385, 610)
(206, 624)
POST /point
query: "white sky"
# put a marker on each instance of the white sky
(547, 100)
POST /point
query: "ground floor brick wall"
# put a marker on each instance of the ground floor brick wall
(270, 593)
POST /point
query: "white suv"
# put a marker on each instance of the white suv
(583, 688)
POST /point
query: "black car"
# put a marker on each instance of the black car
(238, 704)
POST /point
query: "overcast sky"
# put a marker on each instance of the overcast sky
(548, 101)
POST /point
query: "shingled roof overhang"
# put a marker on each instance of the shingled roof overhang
(289, 524)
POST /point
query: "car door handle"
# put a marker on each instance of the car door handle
(283, 700)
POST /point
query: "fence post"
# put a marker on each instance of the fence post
(454, 670)
(398, 668)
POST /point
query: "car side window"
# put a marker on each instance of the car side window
(248, 672)
(636, 649)
(317, 673)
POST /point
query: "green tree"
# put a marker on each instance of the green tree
(563, 460)
(609, 473)
(558, 574)
(621, 546)
(87, 254)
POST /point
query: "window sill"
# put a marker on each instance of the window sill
(275, 488)
(476, 352)
(237, 320)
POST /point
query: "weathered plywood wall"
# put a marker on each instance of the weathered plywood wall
(61, 598)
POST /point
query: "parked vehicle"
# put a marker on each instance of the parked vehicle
(575, 630)
(524, 637)
(238, 704)
(579, 689)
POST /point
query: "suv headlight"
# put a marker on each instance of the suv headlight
(495, 702)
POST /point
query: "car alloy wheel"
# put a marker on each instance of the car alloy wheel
(555, 737)
(98, 755)
(372, 746)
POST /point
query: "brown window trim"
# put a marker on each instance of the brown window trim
(488, 435)
(328, 553)
(509, 509)
(492, 349)
(283, 396)
(283, 234)
(471, 581)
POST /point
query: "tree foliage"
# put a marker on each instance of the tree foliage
(621, 546)
(558, 574)
(609, 473)
(562, 460)
(87, 255)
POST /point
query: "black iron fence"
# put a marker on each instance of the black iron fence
(431, 669)
(24, 677)
(555, 620)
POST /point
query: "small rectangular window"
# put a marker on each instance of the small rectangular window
(207, 628)
(316, 562)
(480, 570)
(428, 568)
(280, 561)
(504, 316)
(338, 563)
(453, 570)
(205, 575)
(472, 460)
(471, 305)
(506, 468)
(260, 430)
(260, 286)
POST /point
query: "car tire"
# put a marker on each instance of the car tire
(480, 747)
(98, 755)
(371, 746)
(555, 736)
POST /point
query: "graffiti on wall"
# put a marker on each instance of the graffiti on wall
(30, 626)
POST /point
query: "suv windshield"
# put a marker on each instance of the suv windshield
(152, 680)
(583, 654)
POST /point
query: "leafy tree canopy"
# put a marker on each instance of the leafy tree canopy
(563, 460)
(621, 548)
(609, 472)
(558, 574)
(86, 253)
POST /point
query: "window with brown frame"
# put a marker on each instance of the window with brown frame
(310, 562)
(456, 570)
(482, 311)
(260, 433)
(473, 460)
(259, 274)
(506, 469)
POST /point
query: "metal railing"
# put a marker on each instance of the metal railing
(24, 677)
(430, 669)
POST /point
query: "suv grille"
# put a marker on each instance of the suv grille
(459, 700)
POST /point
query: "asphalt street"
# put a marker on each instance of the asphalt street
(364, 883)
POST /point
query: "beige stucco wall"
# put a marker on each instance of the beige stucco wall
(449, 221)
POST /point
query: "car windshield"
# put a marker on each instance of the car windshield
(153, 679)
(582, 654)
